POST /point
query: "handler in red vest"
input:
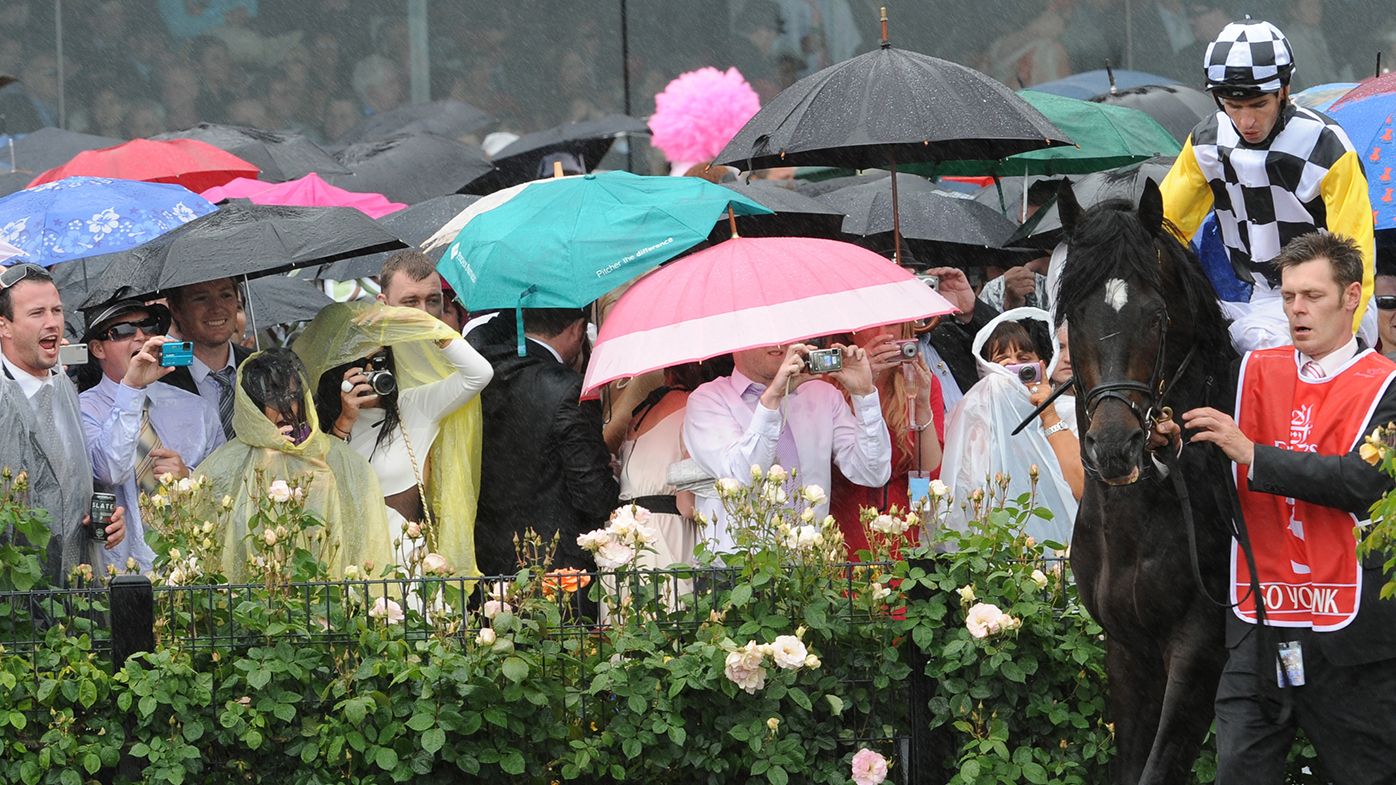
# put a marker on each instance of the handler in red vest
(1302, 412)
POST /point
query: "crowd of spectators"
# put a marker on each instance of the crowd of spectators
(133, 68)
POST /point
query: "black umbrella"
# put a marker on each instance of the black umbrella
(447, 118)
(935, 218)
(280, 156)
(1175, 107)
(46, 148)
(239, 240)
(886, 107)
(1044, 229)
(280, 299)
(413, 226)
(796, 215)
(587, 141)
(411, 168)
(15, 181)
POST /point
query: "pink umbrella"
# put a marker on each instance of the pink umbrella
(750, 292)
(308, 191)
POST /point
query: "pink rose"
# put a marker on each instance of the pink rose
(869, 768)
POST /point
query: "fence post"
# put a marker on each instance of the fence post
(132, 617)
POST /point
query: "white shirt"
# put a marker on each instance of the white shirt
(727, 433)
(208, 388)
(111, 424)
(1333, 362)
(420, 411)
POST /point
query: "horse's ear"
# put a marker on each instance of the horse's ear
(1151, 207)
(1068, 209)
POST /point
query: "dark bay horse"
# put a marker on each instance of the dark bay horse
(1145, 333)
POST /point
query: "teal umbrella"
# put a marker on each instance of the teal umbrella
(1106, 136)
(566, 241)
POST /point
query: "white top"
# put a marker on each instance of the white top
(111, 424)
(421, 410)
(727, 430)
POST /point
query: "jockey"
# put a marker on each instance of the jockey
(1272, 171)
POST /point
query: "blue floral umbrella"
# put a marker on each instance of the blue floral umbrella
(78, 217)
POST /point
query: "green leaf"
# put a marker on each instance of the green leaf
(801, 699)
(1034, 773)
(386, 759)
(258, 679)
(512, 762)
(91, 762)
(433, 739)
(421, 721)
(835, 704)
(740, 595)
(70, 777)
(970, 770)
(87, 693)
(515, 669)
(777, 776)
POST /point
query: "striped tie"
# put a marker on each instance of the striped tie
(1312, 371)
(224, 378)
(146, 441)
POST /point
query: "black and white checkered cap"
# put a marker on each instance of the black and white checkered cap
(1251, 56)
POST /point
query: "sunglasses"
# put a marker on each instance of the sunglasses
(127, 330)
(1386, 302)
(19, 272)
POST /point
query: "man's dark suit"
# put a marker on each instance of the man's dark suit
(544, 463)
(1348, 706)
(184, 380)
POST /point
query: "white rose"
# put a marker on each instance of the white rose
(773, 723)
(728, 486)
(486, 637)
(158, 502)
(880, 592)
(384, 608)
(814, 495)
(269, 537)
(789, 652)
(1039, 578)
(167, 478)
(207, 528)
(413, 529)
(227, 502)
(808, 515)
(884, 524)
(185, 484)
(493, 608)
(614, 554)
(351, 573)
(436, 564)
(642, 516)
(780, 497)
(939, 489)
(966, 594)
(984, 620)
(812, 662)
(279, 492)
(757, 472)
(777, 473)
(746, 668)
(593, 540)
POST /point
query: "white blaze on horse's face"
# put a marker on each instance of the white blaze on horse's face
(1116, 293)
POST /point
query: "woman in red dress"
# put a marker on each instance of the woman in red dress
(905, 388)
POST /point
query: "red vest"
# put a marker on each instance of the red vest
(1305, 553)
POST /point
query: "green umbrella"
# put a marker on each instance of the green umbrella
(1106, 136)
(566, 241)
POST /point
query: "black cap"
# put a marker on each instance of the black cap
(99, 317)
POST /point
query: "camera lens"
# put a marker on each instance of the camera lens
(1027, 374)
(908, 350)
(382, 382)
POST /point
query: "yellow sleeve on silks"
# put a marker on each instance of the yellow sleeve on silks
(1187, 198)
(1349, 210)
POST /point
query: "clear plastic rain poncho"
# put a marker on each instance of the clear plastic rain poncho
(979, 444)
(346, 332)
(343, 491)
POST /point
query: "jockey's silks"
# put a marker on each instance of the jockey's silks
(1305, 553)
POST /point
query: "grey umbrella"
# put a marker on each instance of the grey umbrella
(587, 141)
(411, 168)
(1176, 108)
(1044, 229)
(447, 118)
(413, 226)
(280, 299)
(280, 156)
(49, 147)
(239, 240)
(796, 214)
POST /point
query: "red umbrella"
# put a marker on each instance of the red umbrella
(195, 165)
(1377, 85)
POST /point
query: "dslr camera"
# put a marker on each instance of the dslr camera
(379, 376)
(824, 360)
(1027, 373)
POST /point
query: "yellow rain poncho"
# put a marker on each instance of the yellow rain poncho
(343, 491)
(346, 332)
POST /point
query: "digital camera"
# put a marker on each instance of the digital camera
(909, 349)
(824, 360)
(1027, 373)
(380, 378)
(100, 510)
(176, 354)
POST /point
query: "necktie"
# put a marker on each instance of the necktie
(224, 378)
(1312, 371)
(146, 440)
(786, 453)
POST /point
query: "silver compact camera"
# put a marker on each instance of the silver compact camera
(909, 350)
(1027, 373)
(380, 378)
(824, 360)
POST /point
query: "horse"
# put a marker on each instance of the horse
(1146, 336)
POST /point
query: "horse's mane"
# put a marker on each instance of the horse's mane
(1109, 241)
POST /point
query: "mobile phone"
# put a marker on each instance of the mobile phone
(100, 510)
(73, 354)
(824, 360)
(1027, 373)
(176, 354)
